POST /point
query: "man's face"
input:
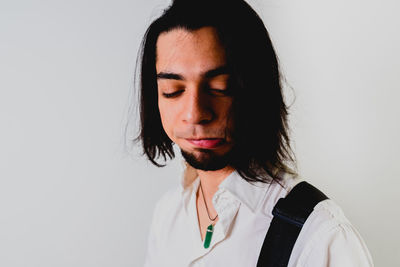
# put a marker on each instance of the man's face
(193, 98)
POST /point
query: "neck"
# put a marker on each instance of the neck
(210, 180)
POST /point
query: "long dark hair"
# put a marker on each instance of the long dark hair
(262, 145)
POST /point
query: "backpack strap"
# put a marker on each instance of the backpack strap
(290, 213)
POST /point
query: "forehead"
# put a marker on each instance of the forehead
(189, 52)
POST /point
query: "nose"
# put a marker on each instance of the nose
(197, 108)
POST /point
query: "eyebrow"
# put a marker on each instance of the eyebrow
(208, 74)
(169, 76)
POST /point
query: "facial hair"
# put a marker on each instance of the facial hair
(208, 160)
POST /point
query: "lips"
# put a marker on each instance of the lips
(206, 142)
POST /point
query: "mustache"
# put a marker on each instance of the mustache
(193, 133)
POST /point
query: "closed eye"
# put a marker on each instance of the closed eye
(222, 92)
(170, 95)
(211, 91)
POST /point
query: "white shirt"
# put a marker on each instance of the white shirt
(245, 212)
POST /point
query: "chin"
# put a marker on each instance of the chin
(208, 160)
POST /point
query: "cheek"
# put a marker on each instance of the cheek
(227, 116)
(167, 116)
(225, 110)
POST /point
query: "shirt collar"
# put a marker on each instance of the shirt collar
(250, 194)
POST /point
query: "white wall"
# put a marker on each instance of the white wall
(70, 196)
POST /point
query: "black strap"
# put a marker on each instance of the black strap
(290, 214)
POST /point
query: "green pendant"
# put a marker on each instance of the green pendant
(207, 240)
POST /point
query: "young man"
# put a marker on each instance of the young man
(210, 84)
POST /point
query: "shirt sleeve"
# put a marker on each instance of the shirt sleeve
(341, 246)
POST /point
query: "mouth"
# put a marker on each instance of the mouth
(206, 142)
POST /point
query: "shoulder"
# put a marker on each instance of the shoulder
(276, 190)
(329, 239)
(163, 211)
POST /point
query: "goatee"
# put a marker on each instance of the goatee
(208, 160)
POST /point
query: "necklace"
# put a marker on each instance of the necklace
(210, 228)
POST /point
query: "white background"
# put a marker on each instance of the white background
(71, 196)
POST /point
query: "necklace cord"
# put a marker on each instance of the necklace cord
(208, 213)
